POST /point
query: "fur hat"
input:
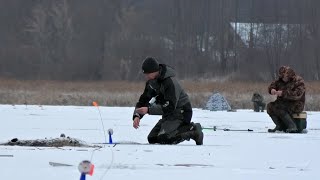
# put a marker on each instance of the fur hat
(286, 70)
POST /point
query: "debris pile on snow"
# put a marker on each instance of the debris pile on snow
(52, 142)
(217, 102)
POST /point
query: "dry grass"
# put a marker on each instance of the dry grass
(125, 93)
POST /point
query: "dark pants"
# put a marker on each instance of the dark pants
(259, 106)
(279, 110)
(168, 130)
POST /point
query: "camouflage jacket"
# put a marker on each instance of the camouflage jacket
(293, 91)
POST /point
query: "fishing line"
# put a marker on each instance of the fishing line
(104, 132)
(111, 163)
(110, 148)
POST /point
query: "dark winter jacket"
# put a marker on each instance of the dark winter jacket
(256, 97)
(293, 91)
(170, 97)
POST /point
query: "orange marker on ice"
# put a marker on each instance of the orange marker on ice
(85, 167)
(95, 104)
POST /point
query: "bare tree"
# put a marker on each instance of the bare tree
(273, 41)
(50, 29)
(314, 29)
(98, 39)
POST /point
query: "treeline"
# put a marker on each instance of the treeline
(108, 39)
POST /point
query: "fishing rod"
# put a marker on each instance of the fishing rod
(214, 128)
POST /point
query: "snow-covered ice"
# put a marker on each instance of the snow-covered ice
(224, 155)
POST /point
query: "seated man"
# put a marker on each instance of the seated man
(258, 104)
(290, 91)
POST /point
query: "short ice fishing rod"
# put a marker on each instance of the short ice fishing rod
(214, 128)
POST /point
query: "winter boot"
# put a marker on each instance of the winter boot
(195, 133)
(276, 121)
(291, 126)
(198, 134)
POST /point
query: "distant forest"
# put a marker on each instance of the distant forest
(108, 39)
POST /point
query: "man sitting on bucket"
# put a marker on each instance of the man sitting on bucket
(290, 91)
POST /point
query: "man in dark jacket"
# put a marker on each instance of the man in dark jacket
(164, 96)
(258, 104)
(290, 91)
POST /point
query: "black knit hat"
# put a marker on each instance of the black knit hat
(150, 65)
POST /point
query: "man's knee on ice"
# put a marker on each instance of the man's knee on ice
(153, 139)
(164, 139)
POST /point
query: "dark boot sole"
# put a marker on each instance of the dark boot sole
(198, 129)
(200, 138)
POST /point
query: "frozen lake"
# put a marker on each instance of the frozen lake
(224, 155)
